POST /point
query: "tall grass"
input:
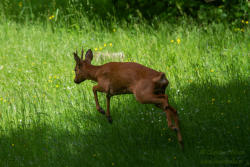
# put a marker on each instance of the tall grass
(47, 120)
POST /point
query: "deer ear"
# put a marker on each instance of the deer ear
(77, 59)
(89, 56)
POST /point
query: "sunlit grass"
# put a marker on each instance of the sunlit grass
(47, 120)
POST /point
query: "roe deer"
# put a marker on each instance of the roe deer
(114, 78)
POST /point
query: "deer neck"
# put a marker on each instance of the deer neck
(92, 72)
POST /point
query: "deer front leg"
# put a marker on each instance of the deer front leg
(108, 109)
(99, 89)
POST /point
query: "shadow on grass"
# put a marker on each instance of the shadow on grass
(214, 120)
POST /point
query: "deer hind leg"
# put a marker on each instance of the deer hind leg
(96, 89)
(146, 96)
(172, 114)
(152, 99)
(144, 93)
(161, 101)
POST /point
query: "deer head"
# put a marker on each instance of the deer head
(81, 73)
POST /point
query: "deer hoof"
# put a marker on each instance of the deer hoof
(101, 111)
(110, 120)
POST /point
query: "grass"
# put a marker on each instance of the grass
(47, 120)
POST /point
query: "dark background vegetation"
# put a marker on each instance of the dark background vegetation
(130, 11)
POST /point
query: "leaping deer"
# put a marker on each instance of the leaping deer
(115, 78)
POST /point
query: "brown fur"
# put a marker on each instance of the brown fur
(114, 78)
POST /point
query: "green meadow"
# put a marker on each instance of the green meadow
(48, 120)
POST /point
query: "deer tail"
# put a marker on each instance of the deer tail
(161, 79)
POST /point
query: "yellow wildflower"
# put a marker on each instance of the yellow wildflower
(96, 49)
(114, 30)
(105, 45)
(246, 22)
(57, 86)
(110, 44)
(51, 17)
(100, 48)
(242, 21)
(211, 70)
(172, 41)
(55, 76)
(178, 41)
(20, 4)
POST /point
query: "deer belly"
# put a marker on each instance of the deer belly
(121, 90)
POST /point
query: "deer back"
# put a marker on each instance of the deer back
(123, 77)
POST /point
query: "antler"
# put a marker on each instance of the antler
(82, 54)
